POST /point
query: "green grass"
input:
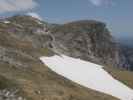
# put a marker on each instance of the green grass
(46, 52)
(5, 83)
(52, 86)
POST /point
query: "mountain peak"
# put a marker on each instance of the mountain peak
(89, 40)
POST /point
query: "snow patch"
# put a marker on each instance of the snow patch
(89, 75)
(6, 22)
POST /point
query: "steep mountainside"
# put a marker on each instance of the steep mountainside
(23, 76)
(89, 40)
(128, 51)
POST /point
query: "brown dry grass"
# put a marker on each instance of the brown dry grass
(121, 75)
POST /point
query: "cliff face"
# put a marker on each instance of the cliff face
(128, 51)
(89, 40)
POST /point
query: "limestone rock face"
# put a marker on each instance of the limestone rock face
(89, 40)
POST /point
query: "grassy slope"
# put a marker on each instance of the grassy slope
(51, 86)
(121, 75)
(5, 83)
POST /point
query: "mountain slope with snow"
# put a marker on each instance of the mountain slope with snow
(89, 75)
(23, 39)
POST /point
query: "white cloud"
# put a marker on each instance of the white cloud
(101, 2)
(16, 5)
(35, 15)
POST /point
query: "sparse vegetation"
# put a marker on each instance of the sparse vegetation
(5, 83)
(122, 75)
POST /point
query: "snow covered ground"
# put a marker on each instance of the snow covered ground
(6, 22)
(89, 75)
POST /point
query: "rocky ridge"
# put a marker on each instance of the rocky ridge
(89, 40)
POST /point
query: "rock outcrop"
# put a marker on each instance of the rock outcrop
(89, 40)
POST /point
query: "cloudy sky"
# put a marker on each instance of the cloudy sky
(116, 13)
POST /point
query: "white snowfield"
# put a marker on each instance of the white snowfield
(6, 22)
(89, 75)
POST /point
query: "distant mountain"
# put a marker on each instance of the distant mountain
(126, 44)
(127, 41)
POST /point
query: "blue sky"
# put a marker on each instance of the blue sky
(117, 14)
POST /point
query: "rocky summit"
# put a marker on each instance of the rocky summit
(23, 39)
(89, 40)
